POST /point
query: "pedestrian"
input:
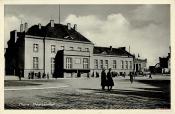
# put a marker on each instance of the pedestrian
(110, 81)
(47, 75)
(131, 75)
(20, 75)
(43, 76)
(78, 74)
(29, 75)
(150, 77)
(92, 74)
(97, 74)
(32, 75)
(124, 74)
(103, 79)
(39, 75)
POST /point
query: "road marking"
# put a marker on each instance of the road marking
(16, 89)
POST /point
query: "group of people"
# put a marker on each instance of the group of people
(106, 80)
(38, 75)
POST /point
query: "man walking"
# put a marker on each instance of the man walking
(103, 79)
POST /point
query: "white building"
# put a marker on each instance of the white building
(61, 51)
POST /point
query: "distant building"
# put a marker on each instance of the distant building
(60, 51)
(163, 66)
(118, 59)
(140, 65)
(165, 63)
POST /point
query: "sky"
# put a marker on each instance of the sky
(145, 28)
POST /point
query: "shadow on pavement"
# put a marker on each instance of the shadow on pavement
(161, 92)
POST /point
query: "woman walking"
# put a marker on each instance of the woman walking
(110, 81)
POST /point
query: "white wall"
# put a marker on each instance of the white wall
(29, 54)
(58, 44)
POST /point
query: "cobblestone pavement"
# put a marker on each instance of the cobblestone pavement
(86, 93)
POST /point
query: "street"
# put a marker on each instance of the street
(86, 93)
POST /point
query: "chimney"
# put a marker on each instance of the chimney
(169, 55)
(52, 23)
(39, 25)
(21, 27)
(25, 26)
(75, 27)
(68, 26)
(110, 47)
(15, 35)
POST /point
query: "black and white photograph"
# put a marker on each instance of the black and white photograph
(87, 56)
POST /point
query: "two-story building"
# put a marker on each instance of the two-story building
(61, 51)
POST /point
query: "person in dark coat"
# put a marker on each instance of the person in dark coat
(131, 76)
(103, 79)
(110, 81)
(29, 76)
(150, 76)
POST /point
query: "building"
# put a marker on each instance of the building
(140, 65)
(165, 63)
(118, 59)
(163, 66)
(61, 51)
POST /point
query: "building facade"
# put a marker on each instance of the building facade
(118, 59)
(61, 51)
(140, 65)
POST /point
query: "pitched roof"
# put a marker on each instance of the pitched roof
(111, 51)
(59, 31)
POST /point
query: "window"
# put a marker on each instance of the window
(130, 65)
(68, 62)
(35, 63)
(106, 64)
(71, 48)
(96, 64)
(87, 49)
(53, 49)
(35, 48)
(85, 63)
(79, 48)
(62, 47)
(52, 65)
(126, 64)
(114, 64)
(101, 64)
(122, 64)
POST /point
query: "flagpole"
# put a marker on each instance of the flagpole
(59, 13)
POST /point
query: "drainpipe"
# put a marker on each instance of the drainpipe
(44, 54)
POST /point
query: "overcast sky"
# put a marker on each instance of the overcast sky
(145, 28)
